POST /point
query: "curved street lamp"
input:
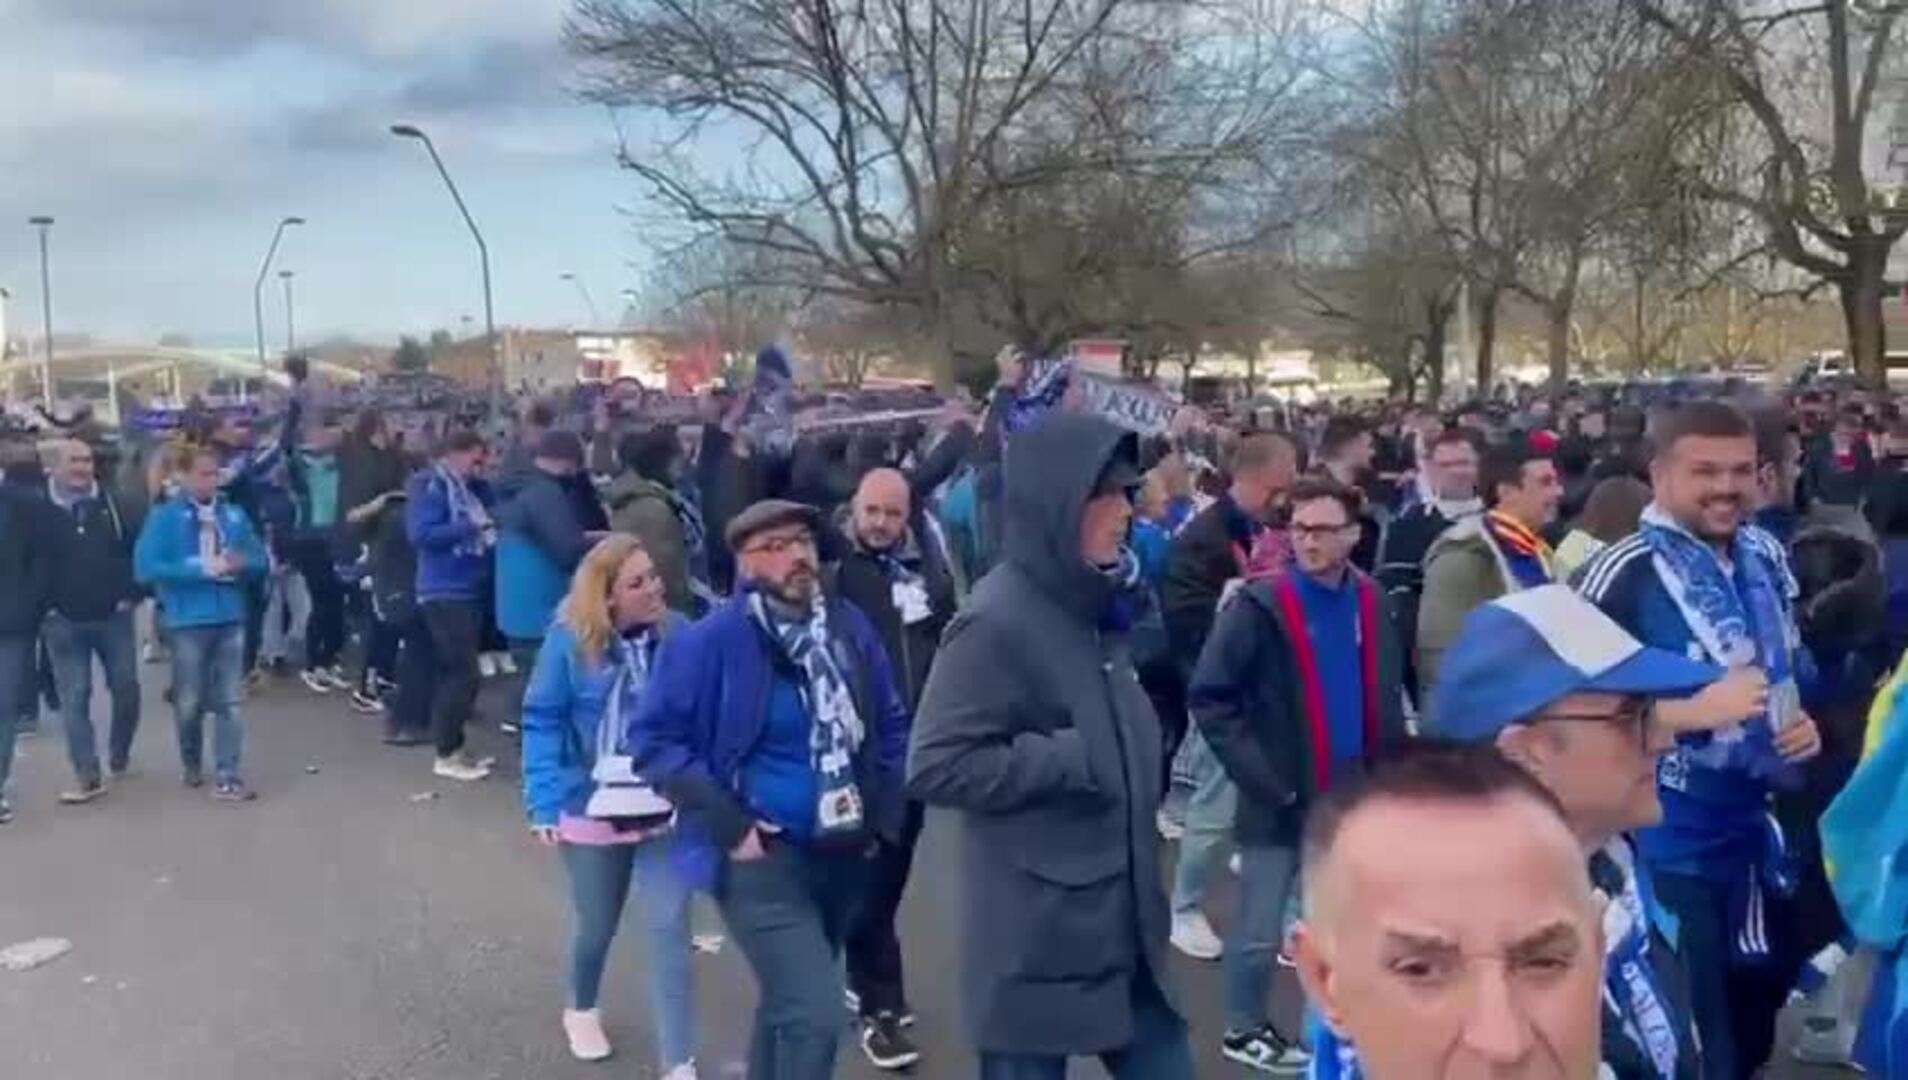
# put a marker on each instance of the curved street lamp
(258, 287)
(411, 131)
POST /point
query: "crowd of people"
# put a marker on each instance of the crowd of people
(1515, 721)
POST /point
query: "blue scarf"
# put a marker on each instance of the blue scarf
(1630, 983)
(835, 730)
(1128, 600)
(1739, 615)
(1041, 389)
(465, 506)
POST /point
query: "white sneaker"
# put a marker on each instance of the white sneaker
(1194, 936)
(487, 665)
(684, 1071)
(1233, 864)
(506, 664)
(459, 767)
(588, 1041)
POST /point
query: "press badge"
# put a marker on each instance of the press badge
(910, 600)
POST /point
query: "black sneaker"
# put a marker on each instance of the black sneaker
(887, 1046)
(194, 778)
(1266, 1051)
(366, 703)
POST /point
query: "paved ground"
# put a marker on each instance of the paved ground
(340, 928)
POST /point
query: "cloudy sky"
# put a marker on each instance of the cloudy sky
(168, 137)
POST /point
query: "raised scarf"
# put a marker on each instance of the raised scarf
(835, 729)
(1312, 686)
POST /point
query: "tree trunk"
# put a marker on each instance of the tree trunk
(1486, 339)
(1557, 341)
(1437, 326)
(1861, 295)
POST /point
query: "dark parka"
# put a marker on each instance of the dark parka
(1034, 727)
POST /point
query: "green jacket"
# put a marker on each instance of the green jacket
(651, 513)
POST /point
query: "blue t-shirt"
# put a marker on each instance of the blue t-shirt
(1331, 617)
(778, 778)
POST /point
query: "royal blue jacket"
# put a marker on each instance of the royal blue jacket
(563, 705)
(166, 558)
(707, 704)
(443, 571)
(1713, 821)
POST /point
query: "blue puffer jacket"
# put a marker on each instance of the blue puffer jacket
(166, 558)
(443, 571)
(562, 706)
(705, 709)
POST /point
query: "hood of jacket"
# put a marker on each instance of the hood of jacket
(1050, 472)
(629, 486)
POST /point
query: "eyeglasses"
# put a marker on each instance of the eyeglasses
(1634, 714)
(1320, 532)
(778, 545)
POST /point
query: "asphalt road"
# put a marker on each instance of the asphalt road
(345, 926)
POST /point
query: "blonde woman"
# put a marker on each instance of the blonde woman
(610, 828)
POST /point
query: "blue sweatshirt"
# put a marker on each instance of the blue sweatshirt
(167, 559)
(1331, 616)
(448, 566)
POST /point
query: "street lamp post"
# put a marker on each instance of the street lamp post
(291, 336)
(258, 290)
(45, 225)
(409, 131)
(596, 318)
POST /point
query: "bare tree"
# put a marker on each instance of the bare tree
(715, 295)
(1808, 79)
(951, 159)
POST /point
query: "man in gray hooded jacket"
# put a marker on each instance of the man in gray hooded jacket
(1033, 725)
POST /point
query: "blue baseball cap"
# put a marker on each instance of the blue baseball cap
(1521, 652)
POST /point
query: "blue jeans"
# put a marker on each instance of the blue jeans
(600, 878)
(789, 912)
(1209, 817)
(1267, 880)
(207, 664)
(72, 646)
(16, 686)
(1159, 1050)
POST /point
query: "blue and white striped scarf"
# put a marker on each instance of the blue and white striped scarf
(1739, 615)
(467, 507)
(836, 728)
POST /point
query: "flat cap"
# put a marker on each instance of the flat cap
(765, 515)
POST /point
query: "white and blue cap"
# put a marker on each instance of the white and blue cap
(1521, 652)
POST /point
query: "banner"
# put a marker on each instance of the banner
(1133, 406)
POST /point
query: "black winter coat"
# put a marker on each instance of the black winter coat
(1247, 698)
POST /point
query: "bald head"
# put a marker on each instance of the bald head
(881, 508)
